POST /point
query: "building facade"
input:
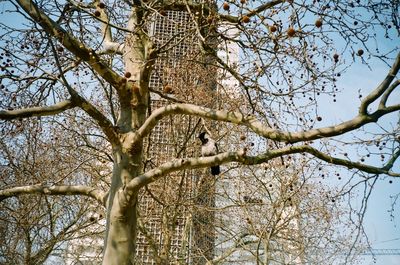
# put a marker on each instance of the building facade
(176, 217)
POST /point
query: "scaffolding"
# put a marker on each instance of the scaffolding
(176, 221)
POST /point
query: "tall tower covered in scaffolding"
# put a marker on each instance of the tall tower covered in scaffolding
(175, 217)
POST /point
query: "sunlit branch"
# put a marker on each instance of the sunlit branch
(200, 162)
(96, 194)
(37, 111)
(241, 156)
(108, 44)
(181, 164)
(387, 93)
(392, 160)
(329, 159)
(104, 123)
(256, 125)
(382, 88)
(69, 42)
(141, 55)
(266, 131)
(387, 110)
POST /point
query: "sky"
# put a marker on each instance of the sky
(382, 230)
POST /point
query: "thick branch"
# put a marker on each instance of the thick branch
(386, 110)
(374, 95)
(261, 129)
(69, 42)
(349, 164)
(104, 123)
(108, 44)
(55, 190)
(389, 165)
(329, 159)
(37, 111)
(388, 92)
(181, 164)
(254, 124)
(200, 162)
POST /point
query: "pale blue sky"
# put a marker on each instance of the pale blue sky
(380, 229)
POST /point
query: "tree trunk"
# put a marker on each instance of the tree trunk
(121, 230)
(121, 235)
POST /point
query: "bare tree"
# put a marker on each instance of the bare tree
(41, 225)
(83, 71)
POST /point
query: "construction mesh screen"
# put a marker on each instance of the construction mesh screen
(176, 221)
